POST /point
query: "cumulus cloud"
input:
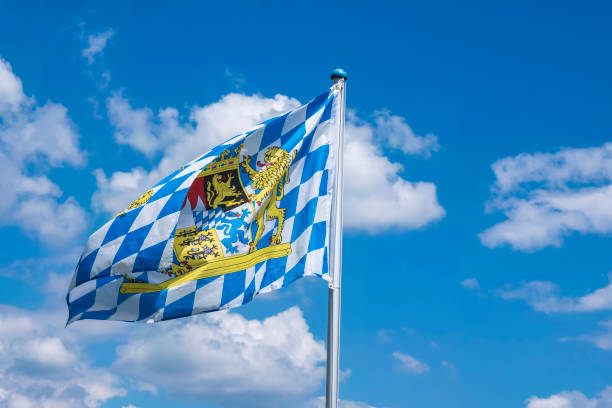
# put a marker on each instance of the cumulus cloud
(227, 358)
(410, 363)
(572, 399)
(41, 367)
(547, 196)
(33, 139)
(96, 44)
(544, 296)
(133, 127)
(372, 180)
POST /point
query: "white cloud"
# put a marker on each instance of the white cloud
(547, 196)
(470, 283)
(555, 169)
(227, 358)
(602, 340)
(320, 403)
(118, 190)
(133, 127)
(42, 367)
(42, 362)
(52, 222)
(11, 89)
(34, 139)
(400, 135)
(96, 44)
(544, 296)
(572, 399)
(410, 363)
(372, 180)
(206, 127)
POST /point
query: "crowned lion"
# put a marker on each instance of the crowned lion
(270, 181)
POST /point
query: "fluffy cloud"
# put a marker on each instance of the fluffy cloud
(118, 190)
(372, 180)
(227, 358)
(96, 44)
(32, 140)
(11, 89)
(572, 399)
(544, 296)
(207, 126)
(410, 363)
(547, 196)
(41, 367)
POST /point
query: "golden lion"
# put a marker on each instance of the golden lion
(219, 192)
(270, 181)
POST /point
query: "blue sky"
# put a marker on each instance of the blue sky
(480, 131)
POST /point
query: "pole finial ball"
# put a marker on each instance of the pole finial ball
(339, 73)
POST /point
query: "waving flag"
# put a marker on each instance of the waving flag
(250, 216)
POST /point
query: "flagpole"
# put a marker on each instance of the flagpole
(333, 312)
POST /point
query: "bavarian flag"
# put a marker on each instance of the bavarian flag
(250, 216)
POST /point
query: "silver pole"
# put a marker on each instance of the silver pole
(333, 311)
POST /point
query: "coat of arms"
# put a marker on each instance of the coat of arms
(224, 218)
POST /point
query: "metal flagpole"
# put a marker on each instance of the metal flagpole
(333, 313)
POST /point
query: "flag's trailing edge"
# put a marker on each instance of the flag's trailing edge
(250, 216)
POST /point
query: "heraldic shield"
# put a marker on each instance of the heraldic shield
(249, 216)
(222, 221)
